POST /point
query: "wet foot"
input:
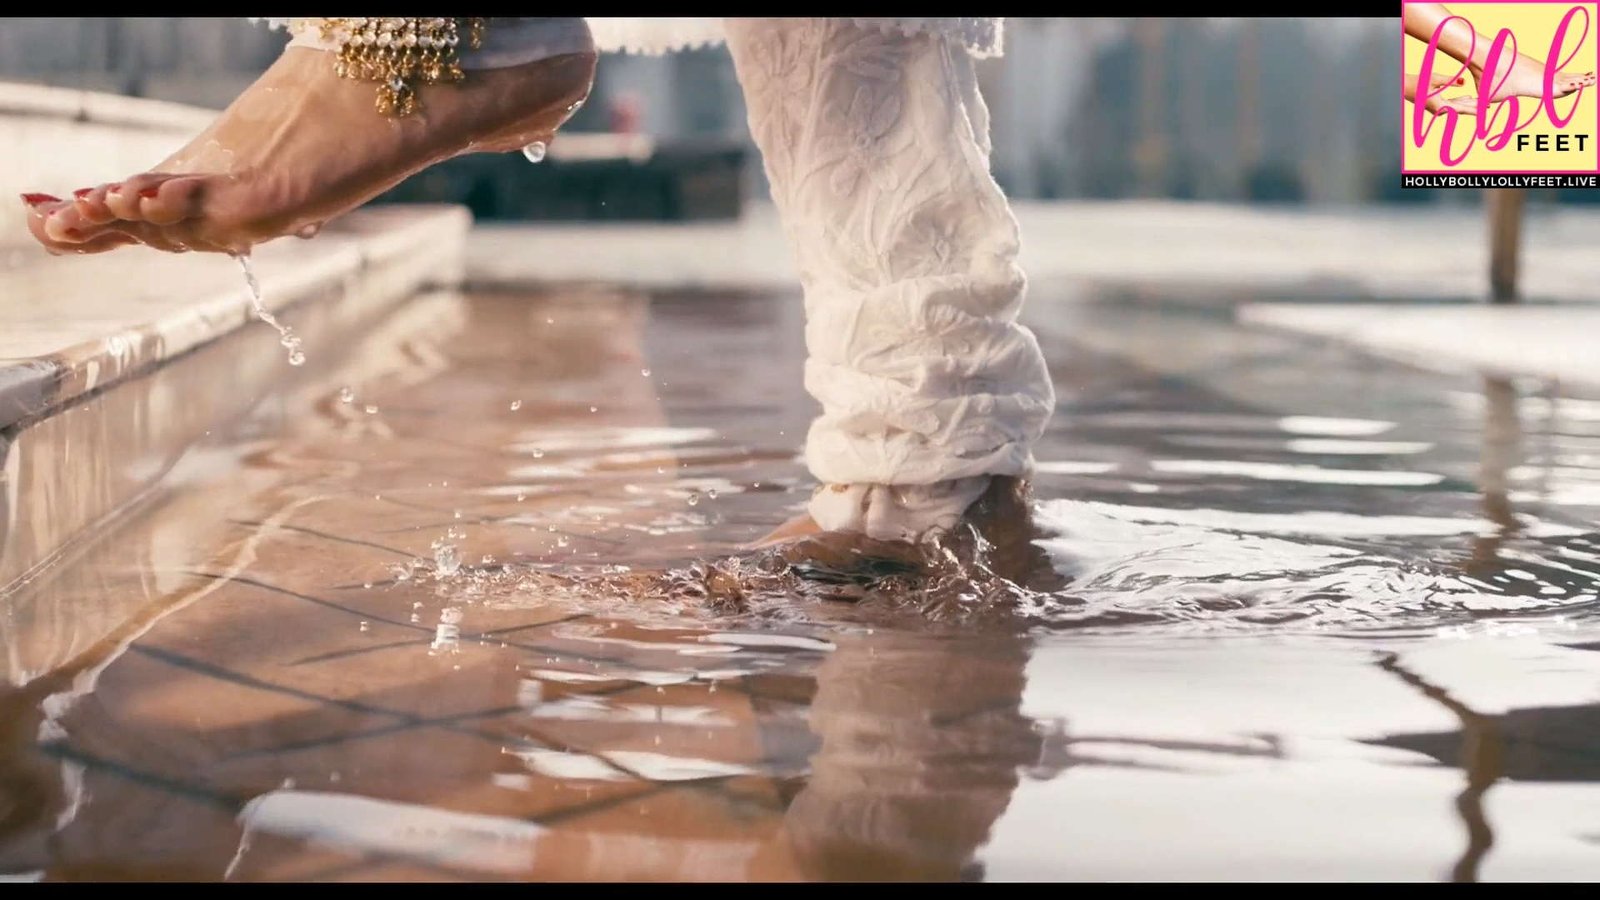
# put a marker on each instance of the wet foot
(302, 146)
(1000, 520)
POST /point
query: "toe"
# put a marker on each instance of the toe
(62, 223)
(91, 203)
(170, 201)
(73, 241)
(122, 201)
(106, 240)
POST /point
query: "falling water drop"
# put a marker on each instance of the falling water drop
(286, 335)
(516, 405)
(347, 395)
(446, 558)
(694, 499)
(534, 152)
(371, 409)
(594, 409)
(711, 494)
(645, 372)
(537, 453)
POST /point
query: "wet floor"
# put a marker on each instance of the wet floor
(465, 601)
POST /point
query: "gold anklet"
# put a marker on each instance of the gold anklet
(401, 53)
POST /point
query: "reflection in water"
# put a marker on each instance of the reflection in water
(919, 752)
(1481, 757)
(1502, 440)
(510, 633)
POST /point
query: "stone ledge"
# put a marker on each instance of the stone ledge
(180, 346)
(64, 334)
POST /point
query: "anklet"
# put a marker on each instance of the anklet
(401, 53)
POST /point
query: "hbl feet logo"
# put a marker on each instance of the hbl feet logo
(1500, 94)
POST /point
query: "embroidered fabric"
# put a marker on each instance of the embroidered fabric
(876, 144)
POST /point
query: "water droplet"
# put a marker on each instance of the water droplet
(549, 321)
(694, 499)
(534, 152)
(309, 231)
(347, 395)
(366, 585)
(594, 409)
(711, 494)
(563, 541)
(537, 453)
(371, 409)
(366, 626)
(516, 405)
(446, 558)
(286, 335)
(645, 372)
(521, 496)
(458, 513)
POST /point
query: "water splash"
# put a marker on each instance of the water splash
(286, 335)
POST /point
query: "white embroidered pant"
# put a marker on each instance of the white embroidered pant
(876, 143)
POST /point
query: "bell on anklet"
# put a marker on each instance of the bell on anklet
(401, 53)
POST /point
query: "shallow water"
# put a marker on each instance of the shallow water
(467, 601)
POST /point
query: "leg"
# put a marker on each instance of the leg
(876, 146)
(303, 145)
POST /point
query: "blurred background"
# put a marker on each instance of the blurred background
(1277, 110)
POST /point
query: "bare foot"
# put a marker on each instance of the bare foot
(301, 146)
(1000, 520)
(801, 526)
(1525, 78)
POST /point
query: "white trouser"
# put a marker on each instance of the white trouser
(876, 143)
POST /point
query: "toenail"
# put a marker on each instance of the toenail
(81, 193)
(36, 199)
(150, 192)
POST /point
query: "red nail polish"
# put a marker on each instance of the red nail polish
(36, 199)
(81, 193)
(150, 192)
